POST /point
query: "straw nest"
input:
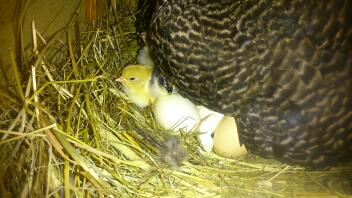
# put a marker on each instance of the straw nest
(68, 130)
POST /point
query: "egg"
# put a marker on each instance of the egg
(226, 141)
(209, 121)
(176, 112)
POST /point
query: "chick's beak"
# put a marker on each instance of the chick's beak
(120, 79)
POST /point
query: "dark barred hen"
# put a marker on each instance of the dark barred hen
(283, 69)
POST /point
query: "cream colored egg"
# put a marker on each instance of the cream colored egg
(175, 112)
(226, 142)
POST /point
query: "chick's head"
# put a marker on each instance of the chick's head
(135, 80)
(135, 76)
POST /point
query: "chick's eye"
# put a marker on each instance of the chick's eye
(132, 78)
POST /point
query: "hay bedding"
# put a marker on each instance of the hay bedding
(68, 130)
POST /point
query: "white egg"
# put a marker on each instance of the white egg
(175, 112)
(207, 126)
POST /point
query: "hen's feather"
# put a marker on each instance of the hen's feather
(282, 68)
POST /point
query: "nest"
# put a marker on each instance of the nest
(68, 130)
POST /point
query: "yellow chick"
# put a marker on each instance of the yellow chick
(139, 85)
(135, 80)
(171, 110)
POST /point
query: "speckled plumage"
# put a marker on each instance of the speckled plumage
(282, 68)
